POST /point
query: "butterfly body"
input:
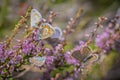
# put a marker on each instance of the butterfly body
(46, 31)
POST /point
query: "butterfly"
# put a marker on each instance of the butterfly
(37, 61)
(84, 54)
(45, 29)
(36, 17)
(58, 33)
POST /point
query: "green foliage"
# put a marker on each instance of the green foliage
(68, 47)
(5, 24)
(58, 1)
(110, 60)
(11, 79)
(62, 70)
(4, 11)
(95, 74)
(92, 46)
(100, 70)
(100, 6)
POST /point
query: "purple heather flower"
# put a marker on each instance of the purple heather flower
(1, 53)
(50, 63)
(78, 47)
(4, 55)
(81, 43)
(1, 48)
(28, 46)
(12, 61)
(110, 31)
(58, 47)
(69, 78)
(2, 72)
(16, 47)
(76, 72)
(102, 39)
(50, 60)
(39, 46)
(36, 34)
(10, 52)
(15, 59)
(18, 58)
(47, 51)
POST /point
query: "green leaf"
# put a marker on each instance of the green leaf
(68, 47)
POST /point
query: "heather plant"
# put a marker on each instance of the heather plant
(59, 63)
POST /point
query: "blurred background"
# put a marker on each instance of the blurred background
(11, 10)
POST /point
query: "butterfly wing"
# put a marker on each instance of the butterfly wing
(77, 55)
(58, 33)
(46, 31)
(85, 51)
(38, 61)
(82, 55)
(35, 18)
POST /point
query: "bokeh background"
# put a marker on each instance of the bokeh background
(12, 10)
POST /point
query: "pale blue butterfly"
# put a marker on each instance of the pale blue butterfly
(36, 17)
(46, 30)
(38, 61)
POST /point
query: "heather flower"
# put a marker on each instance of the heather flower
(50, 60)
(36, 34)
(2, 72)
(1, 48)
(102, 39)
(76, 72)
(81, 44)
(58, 48)
(12, 61)
(69, 78)
(47, 51)
(3, 55)
(6, 54)
(49, 67)
(16, 47)
(39, 47)
(105, 40)
(10, 53)
(108, 30)
(28, 46)
(16, 59)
